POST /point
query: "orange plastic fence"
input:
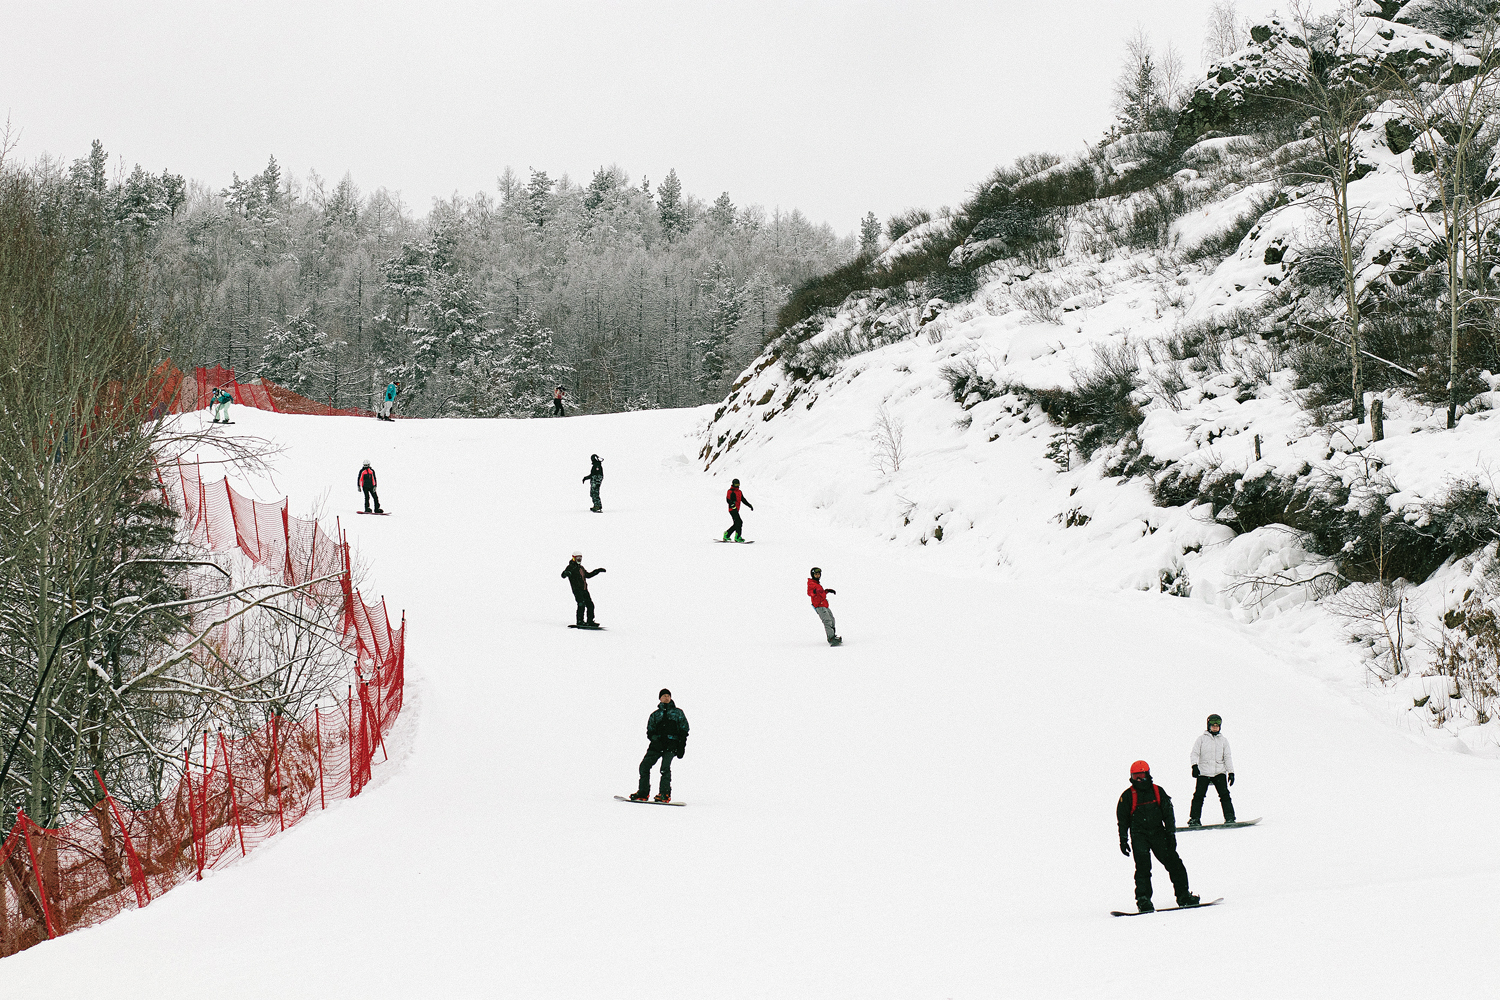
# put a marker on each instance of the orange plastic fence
(235, 793)
(183, 394)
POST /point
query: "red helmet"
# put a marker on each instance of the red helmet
(1140, 767)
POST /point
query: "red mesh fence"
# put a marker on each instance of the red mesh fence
(235, 793)
(185, 393)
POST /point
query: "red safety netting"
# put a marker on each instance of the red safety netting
(235, 793)
(183, 394)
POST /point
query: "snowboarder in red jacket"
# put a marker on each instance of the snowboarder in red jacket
(820, 604)
(1147, 826)
(367, 484)
(734, 498)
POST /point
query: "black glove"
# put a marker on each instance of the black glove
(1125, 848)
(826, 591)
(1231, 777)
(681, 751)
(602, 570)
(1195, 770)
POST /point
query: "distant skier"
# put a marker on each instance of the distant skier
(367, 484)
(557, 401)
(734, 498)
(1147, 825)
(389, 402)
(595, 479)
(220, 401)
(820, 604)
(1212, 764)
(579, 577)
(667, 729)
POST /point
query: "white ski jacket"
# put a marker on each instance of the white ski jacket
(1211, 755)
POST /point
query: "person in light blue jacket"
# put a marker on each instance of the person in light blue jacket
(220, 401)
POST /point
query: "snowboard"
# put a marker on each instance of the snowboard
(588, 628)
(223, 423)
(1164, 909)
(1220, 826)
(731, 541)
(382, 513)
(648, 802)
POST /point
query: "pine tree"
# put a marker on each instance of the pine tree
(673, 213)
(869, 234)
(293, 355)
(539, 199)
(721, 215)
(529, 369)
(726, 308)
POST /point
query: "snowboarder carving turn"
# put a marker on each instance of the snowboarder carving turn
(667, 729)
(735, 498)
(1212, 765)
(367, 485)
(579, 577)
(820, 604)
(595, 479)
(389, 401)
(1147, 827)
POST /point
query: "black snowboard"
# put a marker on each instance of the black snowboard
(382, 513)
(1220, 826)
(731, 541)
(1164, 909)
(648, 802)
(223, 423)
(588, 628)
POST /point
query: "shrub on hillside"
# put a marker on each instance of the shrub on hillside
(902, 223)
(1221, 244)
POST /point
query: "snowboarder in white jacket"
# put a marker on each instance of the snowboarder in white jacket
(1213, 764)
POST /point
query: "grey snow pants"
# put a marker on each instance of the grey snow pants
(827, 617)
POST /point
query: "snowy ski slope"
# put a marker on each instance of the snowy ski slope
(924, 812)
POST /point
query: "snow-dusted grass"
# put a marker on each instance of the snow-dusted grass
(924, 812)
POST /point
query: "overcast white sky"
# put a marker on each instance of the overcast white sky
(834, 108)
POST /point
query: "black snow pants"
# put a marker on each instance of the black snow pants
(369, 495)
(1142, 846)
(654, 754)
(557, 407)
(736, 529)
(1219, 781)
(585, 605)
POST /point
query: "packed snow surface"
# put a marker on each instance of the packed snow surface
(927, 811)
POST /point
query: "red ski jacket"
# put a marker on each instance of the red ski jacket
(817, 593)
(735, 497)
(367, 478)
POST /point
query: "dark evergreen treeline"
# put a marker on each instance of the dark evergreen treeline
(629, 296)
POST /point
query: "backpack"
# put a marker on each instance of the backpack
(1134, 801)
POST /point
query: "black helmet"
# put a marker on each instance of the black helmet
(1214, 720)
(734, 482)
(815, 571)
(593, 458)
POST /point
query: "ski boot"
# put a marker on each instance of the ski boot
(726, 536)
(1188, 900)
(661, 798)
(739, 538)
(837, 640)
(1193, 823)
(638, 796)
(1144, 906)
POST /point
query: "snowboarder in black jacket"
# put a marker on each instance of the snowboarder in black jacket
(578, 577)
(1148, 827)
(667, 729)
(367, 486)
(595, 479)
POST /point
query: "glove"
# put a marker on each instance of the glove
(1195, 770)
(1231, 777)
(602, 569)
(830, 591)
(1125, 848)
(681, 751)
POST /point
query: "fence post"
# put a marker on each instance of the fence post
(352, 792)
(286, 534)
(137, 873)
(318, 734)
(276, 759)
(187, 776)
(208, 531)
(234, 801)
(312, 554)
(36, 873)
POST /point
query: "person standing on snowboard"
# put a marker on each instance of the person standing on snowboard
(667, 729)
(1148, 827)
(367, 484)
(734, 498)
(388, 403)
(595, 479)
(578, 577)
(820, 604)
(1212, 764)
(220, 401)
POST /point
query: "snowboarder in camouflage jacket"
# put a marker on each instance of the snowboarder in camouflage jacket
(1147, 827)
(667, 729)
(595, 479)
